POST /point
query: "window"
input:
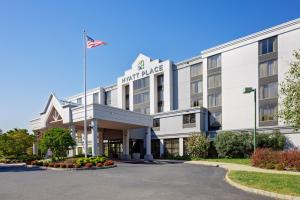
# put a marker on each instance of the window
(214, 81)
(267, 46)
(144, 110)
(214, 100)
(214, 61)
(96, 98)
(196, 87)
(79, 100)
(156, 123)
(171, 147)
(141, 83)
(189, 118)
(141, 98)
(268, 68)
(268, 113)
(196, 70)
(269, 90)
(215, 119)
(160, 106)
(127, 106)
(160, 80)
(160, 93)
(196, 102)
(108, 98)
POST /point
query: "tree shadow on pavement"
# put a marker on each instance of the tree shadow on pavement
(19, 169)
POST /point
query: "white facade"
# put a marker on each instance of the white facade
(183, 101)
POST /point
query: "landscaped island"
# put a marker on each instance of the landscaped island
(77, 163)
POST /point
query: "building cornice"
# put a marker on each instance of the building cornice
(253, 36)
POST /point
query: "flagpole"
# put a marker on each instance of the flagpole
(85, 113)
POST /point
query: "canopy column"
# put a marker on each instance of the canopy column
(148, 155)
(125, 153)
(94, 130)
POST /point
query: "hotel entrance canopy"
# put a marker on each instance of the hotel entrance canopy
(58, 113)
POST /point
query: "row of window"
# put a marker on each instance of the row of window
(196, 87)
(160, 93)
(268, 68)
(186, 119)
(196, 69)
(268, 110)
(196, 102)
(141, 98)
(141, 83)
(267, 46)
(268, 113)
(214, 61)
(214, 81)
(268, 91)
(143, 110)
(95, 99)
(214, 100)
(215, 119)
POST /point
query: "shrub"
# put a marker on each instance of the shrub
(3, 160)
(80, 161)
(109, 163)
(88, 165)
(291, 159)
(197, 145)
(233, 144)
(56, 165)
(39, 163)
(279, 166)
(77, 166)
(46, 164)
(63, 165)
(69, 165)
(275, 140)
(51, 165)
(92, 160)
(99, 165)
(34, 162)
(265, 158)
(27, 158)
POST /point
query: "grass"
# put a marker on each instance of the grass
(279, 183)
(242, 161)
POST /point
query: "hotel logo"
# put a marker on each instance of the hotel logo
(141, 65)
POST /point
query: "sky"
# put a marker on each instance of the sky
(41, 45)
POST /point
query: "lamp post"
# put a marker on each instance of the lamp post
(248, 90)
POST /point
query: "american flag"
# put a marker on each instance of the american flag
(91, 43)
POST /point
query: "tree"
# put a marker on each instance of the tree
(58, 140)
(198, 145)
(234, 144)
(290, 93)
(15, 143)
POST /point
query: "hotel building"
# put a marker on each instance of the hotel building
(157, 104)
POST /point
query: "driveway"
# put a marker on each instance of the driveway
(128, 181)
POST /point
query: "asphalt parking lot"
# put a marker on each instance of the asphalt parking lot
(128, 181)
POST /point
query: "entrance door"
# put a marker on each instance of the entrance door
(113, 149)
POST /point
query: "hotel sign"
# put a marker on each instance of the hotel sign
(142, 73)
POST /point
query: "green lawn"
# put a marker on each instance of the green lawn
(242, 161)
(279, 183)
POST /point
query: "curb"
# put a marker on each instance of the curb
(70, 169)
(258, 191)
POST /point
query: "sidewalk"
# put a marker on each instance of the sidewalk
(239, 167)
